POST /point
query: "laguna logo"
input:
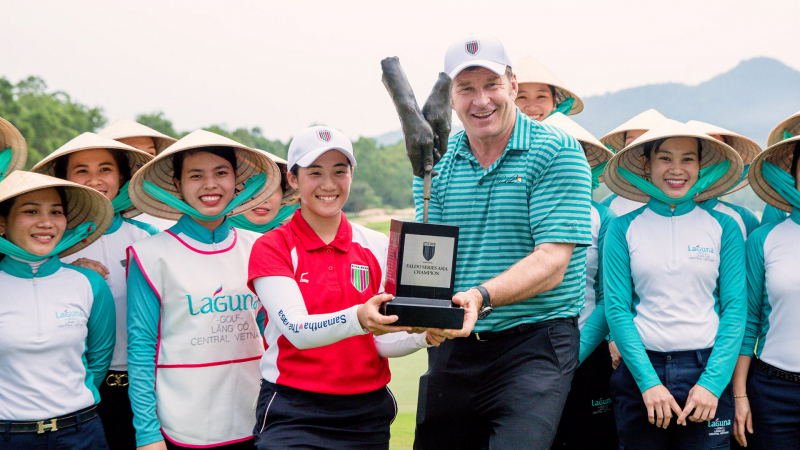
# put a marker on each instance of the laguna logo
(221, 303)
(698, 248)
(700, 253)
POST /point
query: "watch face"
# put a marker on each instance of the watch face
(484, 312)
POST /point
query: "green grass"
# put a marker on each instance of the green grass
(383, 227)
(404, 385)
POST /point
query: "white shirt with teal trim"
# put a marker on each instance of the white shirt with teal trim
(771, 214)
(674, 281)
(773, 294)
(592, 322)
(620, 205)
(746, 219)
(56, 340)
(109, 251)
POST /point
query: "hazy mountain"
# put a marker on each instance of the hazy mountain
(750, 99)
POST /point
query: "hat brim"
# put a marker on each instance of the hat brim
(779, 154)
(790, 124)
(159, 171)
(498, 68)
(10, 137)
(712, 152)
(312, 156)
(83, 203)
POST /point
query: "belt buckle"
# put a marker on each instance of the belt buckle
(478, 337)
(41, 427)
(120, 380)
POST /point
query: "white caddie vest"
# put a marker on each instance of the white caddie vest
(209, 346)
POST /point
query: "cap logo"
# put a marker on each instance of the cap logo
(324, 135)
(473, 47)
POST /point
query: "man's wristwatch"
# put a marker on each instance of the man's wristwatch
(486, 307)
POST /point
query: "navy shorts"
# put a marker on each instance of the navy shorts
(288, 418)
(678, 372)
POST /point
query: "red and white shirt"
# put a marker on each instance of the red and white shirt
(334, 280)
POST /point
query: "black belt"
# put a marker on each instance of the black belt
(492, 335)
(771, 370)
(55, 424)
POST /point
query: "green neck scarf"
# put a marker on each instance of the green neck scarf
(705, 179)
(782, 182)
(241, 221)
(564, 107)
(596, 172)
(122, 201)
(70, 238)
(251, 187)
(5, 161)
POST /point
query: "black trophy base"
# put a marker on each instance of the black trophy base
(424, 313)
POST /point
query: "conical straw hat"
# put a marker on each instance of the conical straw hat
(123, 128)
(530, 70)
(11, 137)
(290, 196)
(91, 141)
(779, 154)
(596, 152)
(159, 171)
(645, 121)
(712, 152)
(83, 203)
(746, 147)
(790, 124)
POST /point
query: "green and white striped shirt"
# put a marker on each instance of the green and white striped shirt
(537, 192)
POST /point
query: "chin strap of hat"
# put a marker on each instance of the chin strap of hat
(253, 185)
(596, 172)
(122, 201)
(5, 161)
(783, 183)
(705, 179)
(564, 107)
(70, 238)
(285, 212)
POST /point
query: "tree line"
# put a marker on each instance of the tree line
(48, 119)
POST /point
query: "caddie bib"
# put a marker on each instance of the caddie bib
(209, 346)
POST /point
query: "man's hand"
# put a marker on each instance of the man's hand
(370, 317)
(416, 130)
(471, 305)
(704, 404)
(616, 357)
(92, 265)
(743, 420)
(660, 404)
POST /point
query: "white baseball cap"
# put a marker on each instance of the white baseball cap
(479, 50)
(312, 142)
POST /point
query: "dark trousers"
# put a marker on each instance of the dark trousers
(678, 372)
(775, 404)
(506, 393)
(86, 435)
(115, 412)
(588, 418)
(244, 445)
(288, 418)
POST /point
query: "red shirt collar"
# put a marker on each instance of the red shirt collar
(310, 240)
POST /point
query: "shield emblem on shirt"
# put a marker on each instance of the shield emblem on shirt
(359, 276)
(472, 47)
(428, 250)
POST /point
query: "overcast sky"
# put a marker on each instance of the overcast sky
(285, 65)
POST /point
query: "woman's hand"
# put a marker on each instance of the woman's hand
(704, 404)
(616, 357)
(160, 445)
(370, 317)
(433, 338)
(92, 265)
(660, 404)
(742, 421)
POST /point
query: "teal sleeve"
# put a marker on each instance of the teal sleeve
(595, 329)
(732, 311)
(144, 312)
(434, 205)
(607, 201)
(771, 214)
(102, 330)
(756, 292)
(748, 217)
(620, 305)
(150, 229)
(261, 320)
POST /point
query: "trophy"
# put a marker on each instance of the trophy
(422, 256)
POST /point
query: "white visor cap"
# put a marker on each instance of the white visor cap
(312, 142)
(479, 50)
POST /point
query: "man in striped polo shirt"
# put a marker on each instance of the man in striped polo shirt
(519, 190)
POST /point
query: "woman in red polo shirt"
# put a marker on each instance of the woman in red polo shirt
(320, 279)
